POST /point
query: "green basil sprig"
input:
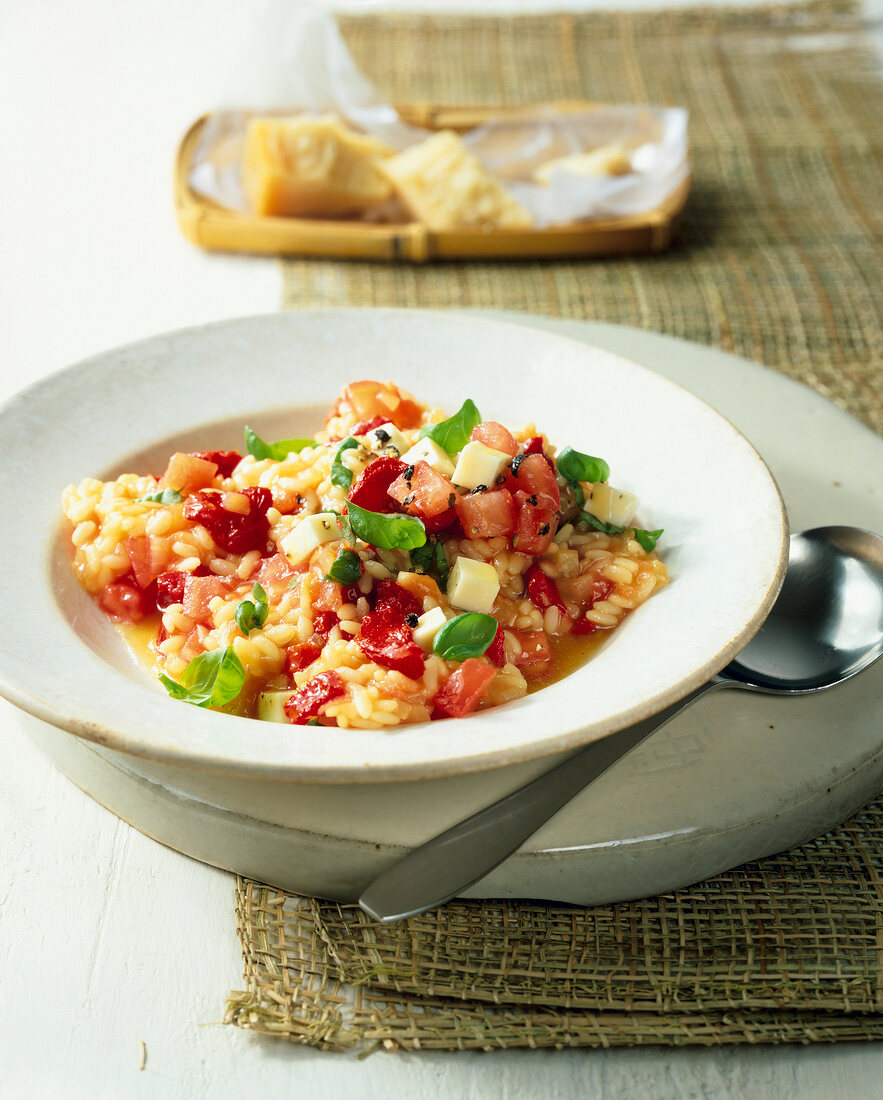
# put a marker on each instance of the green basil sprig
(430, 558)
(468, 635)
(347, 567)
(252, 614)
(452, 434)
(441, 567)
(260, 449)
(389, 532)
(210, 680)
(576, 466)
(341, 475)
(647, 539)
(161, 496)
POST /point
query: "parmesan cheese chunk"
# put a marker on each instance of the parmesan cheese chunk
(446, 187)
(311, 166)
(428, 625)
(387, 435)
(608, 160)
(479, 464)
(271, 706)
(428, 451)
(473, 585)
(611, 505)
(309, 533)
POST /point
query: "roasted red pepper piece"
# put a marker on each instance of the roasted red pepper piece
(226, 461)
(308, 700)
(370, 489)
(385, 638)
(124, 601)
(297, 657)
(324, 622)
(170, 589)
(584, 626)
(542, 592)
(495, 652)
(461, 693)
(534, 445)
(390, 594)
(232, 531)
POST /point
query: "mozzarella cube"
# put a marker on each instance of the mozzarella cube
(611, 505)
(271, 706)
(428, 451)
(387, 435)
(479, 464)
(473, 585)
(311, 532)
(428, 625)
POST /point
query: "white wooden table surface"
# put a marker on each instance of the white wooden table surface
(107, 939)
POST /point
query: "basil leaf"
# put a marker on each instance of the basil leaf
(210, 680)
(341, 475)
(161, 496)
(423, 558)
(252, 614)
(442, 567)
(648, 539)
(347, 568)
(389, 532)
(260, 449)
(575, 466)
(452, 434)
(605, 528)
(468, 635)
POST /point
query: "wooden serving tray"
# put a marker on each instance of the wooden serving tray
(214, 227)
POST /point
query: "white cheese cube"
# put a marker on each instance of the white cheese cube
(479, 464)
(309, 533)
(271, 706)
(473, 585)
(611, 505)
(387, 435)
(428, 625)
(428, 451)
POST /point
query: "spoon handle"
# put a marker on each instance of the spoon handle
(447, 864)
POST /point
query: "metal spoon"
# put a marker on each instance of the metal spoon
(825, 627)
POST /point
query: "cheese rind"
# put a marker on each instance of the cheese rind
(307, 166)
(479, 464)
(473, 585)
(310, 532)
(447, 187)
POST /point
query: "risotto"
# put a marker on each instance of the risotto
(398, 567)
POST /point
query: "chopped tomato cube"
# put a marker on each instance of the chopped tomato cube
(487, 514)
(461, 693)
(275, 571)
(232, 531)
(495, 652)
(368, 399)
(365, 426)
(170, 589)
(536, 655)
(423, 491)
(494, 435)
(309, 700)
(124, 601)
(324, 623)
(371, 486)
(385, 638)
(534, 445)
(186, 473)
(541, 590)
(586, 590)
(298, 657)
(441, 522)
(198, 594)
(226, 461)
(536, 525)
(534, 474)
(148, 556)
(392, 595)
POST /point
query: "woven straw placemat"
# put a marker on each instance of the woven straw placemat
(778, 260)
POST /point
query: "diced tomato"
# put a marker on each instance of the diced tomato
(541, 590)
(199, 592)
(275, 572)
(536, 654)
(124, 601)
(325, 594)
(536, 525)
(461, 693)
(368, 399)
(324, 623)
(307, 702)
(385, 637)
(371, 488)
(586, 590)
(494, 435)
(365, 426)
(584, 626)
(486, 515)
(534, 445)
(534, 474)
(187, 473)
(495, 652)
(226, 461)
(392, 595)
(350, 594)
(423, 491)
(170, 589)
(232, 531)
(148, 556)
(298, 657)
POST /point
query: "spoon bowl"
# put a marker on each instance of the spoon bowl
(825, 627)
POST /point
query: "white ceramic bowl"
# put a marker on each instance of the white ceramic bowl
(725, 527)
